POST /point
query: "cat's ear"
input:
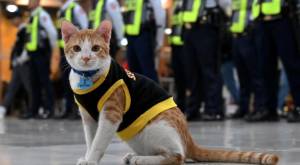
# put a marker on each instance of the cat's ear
(67, 30)
(105, 30)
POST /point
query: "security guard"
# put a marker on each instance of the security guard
(70, 11)
(202, 20)
(21, 69)
(248, 63)
(144, 20)
(178, 59)
(279, 40)
(40, 40)
(109, 9)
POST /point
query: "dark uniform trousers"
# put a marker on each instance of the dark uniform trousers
(203, 69)
(21, 76)
(178, 65)
(249, 66)
(43, 90)
(279, 41)
(140, 54)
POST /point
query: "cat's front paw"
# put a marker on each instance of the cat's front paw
(82, 161)
(128, 157)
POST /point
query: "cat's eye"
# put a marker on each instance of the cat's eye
(76, 48)
(96, 48)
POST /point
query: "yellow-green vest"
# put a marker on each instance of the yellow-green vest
(133, 16)
(68, 15)
(32, 30)
(96, 15)
(267, 7)
(191, 10)
(177, 24)
(240, 18)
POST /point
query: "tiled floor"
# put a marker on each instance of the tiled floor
(61, 142)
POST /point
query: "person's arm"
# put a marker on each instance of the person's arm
(114, 11)
(160, 19)
(81, 17)
(48, 25)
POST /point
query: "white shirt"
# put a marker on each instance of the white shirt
(114, 12)
(47, 24)
(160, 19)
(79, 14)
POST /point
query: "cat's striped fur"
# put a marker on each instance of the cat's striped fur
(164, 141)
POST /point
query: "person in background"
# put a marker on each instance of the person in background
(40, 40)
(248, 62)
(21, 69)
(278, 40)
(109, 9)
(202, 22)
(143, 21)
(228, 67)
(178, 59)
(72, 12)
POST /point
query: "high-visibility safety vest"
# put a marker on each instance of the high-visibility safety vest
(239, 18)
(32, 30)
(177, 24)
(97, 14)
(191, 10)
(266, 7)
(65, 15)
(133, 16)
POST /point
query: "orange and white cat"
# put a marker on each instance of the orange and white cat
(165, 140)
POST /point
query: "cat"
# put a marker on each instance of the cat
(164, 138)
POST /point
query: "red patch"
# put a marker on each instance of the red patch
(113, 6)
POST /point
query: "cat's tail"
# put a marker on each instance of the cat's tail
(213, 155)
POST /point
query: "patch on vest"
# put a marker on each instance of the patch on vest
(130, 74)
(85, 83)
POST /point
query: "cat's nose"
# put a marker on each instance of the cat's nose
(85, 59)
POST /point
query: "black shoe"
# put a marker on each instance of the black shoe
(193, 117)
(212, 117)
(63, 116)
(293, 116)
(239, 114)
(263, 115)
(26, 116)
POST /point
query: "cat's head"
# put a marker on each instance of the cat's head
(86, 49)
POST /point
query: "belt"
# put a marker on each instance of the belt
(239, 35)
(200, 21)
(271, 17)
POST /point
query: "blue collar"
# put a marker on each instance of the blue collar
(89, 73)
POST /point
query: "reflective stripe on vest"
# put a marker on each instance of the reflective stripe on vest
(191, 13)
(32, 30)
(255, 10)
(135, 10)
(95, 16)
(271, 7)
(68, 17)
(240, 16)
(177, 25)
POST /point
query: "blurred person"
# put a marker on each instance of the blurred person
(144, 29)
(40, 40)
(21, 69)
(72, 12)
(278, 39)
(203, 21)
(178, 59)
(248, 62)
(228, 68)
(109, 9)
